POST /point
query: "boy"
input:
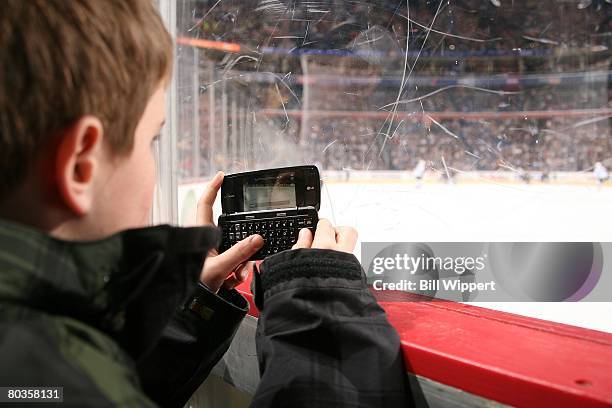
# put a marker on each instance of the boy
(90, 299)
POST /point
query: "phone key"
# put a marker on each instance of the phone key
(244, 234)
(301, 222)
(308, 222)
(237, 226)
(290, 223)
(231, 236)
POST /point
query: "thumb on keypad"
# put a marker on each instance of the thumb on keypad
(218, 268)
(304, 239)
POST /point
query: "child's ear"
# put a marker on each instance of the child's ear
(78, 162)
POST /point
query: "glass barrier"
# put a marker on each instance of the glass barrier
(464, 120)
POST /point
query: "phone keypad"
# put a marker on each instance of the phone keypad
(279, 234)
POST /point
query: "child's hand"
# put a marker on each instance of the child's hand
(231, 267)
(327, 237)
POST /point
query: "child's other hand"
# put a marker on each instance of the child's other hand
(231, 267)
(327, 237)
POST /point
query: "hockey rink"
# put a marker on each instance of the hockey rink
(482, 211)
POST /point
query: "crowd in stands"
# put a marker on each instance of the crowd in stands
(429, 122)
(463, 25)
(439, 126)
(511, 145)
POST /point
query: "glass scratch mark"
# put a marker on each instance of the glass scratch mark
(329, 145)
(445, 88)
(441, 126)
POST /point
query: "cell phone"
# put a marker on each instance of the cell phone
(274, 203)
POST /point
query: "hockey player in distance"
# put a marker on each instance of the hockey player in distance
(600, 173)
(419, 172)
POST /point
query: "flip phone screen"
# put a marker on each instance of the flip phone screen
(274, 203)
(267, 193)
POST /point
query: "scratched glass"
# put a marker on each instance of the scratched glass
(464, 120)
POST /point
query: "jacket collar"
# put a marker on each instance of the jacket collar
(127, 285)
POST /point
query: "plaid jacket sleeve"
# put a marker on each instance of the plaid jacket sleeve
(322, 340)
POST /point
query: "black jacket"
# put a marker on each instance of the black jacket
(111, 321)
(322, 340)
(122, 321)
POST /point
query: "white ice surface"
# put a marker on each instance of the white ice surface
(482, 212)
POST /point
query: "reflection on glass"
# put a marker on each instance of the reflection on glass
(460, 119)
(464, 85)
(266, 193)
